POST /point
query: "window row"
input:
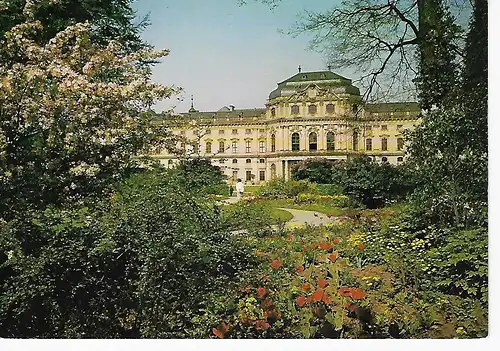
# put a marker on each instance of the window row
(295, 144)
(234, 147)
(311, 109)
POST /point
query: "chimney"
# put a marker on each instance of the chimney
(232, 107)
(300, 69)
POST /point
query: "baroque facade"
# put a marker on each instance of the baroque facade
(311, 114)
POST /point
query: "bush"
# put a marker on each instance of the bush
(333, 201)
(371, 183)
(199, 175)
(281, 188)
(330, 189)
(142, 264)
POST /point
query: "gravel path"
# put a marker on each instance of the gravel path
(302, 217)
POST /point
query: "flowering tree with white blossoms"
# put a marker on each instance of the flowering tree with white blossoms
(73, 115)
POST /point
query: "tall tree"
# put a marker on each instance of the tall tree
(381, 41)
(110, 19)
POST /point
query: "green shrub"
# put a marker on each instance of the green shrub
(371, 183)
(333, 201)
(141, 264)
(281, 188)
(330, 189)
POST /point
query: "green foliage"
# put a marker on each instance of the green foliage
(373, 184)
(329, 189)
(281, 188)
(332, 201)
(141, 264)
(111, 19)
(201, 176)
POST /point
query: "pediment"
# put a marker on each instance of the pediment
(313, 92)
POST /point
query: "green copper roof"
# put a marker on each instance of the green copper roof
(314, 76)
(327, 79)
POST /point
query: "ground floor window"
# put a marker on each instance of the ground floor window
(262, 175)
(235, 175)
(248, 175)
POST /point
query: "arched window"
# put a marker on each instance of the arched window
(221, 146)
(312, 109)
(273, 143)
(384, 159)
(273, 112)
(355, 141)
(248, 160)
(313, 141)
(400, 159)
(295, 142)
(208, 147)
(295, 109)
(330, 108)
(384, 144)
(235, 160)
(195, 148)
(273, 170)
(400, 144)
(330, 141)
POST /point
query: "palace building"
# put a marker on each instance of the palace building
(311, 114)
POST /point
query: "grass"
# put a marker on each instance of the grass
(280, 215)
(316, 207)
(251, 189)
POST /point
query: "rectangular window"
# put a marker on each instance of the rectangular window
(262, 160)
(262, 175)
(384, 144)
(208, 132)
(384, 127)
(234, 146)
(235, 175)
(235, 131)
(400, 126)
(262, 146)
(183, 132)
(368, 127)
(262, 130)
(221, 146)
(247, 146)
(208, 147)
(248, 131)
(221, 132)
(368, 144)
(248, 175)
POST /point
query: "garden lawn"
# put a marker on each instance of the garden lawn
(316, 207)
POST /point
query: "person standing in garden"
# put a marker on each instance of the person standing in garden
(240, 188)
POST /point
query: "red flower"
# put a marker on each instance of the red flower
(361, 246)
(261, 325)
(275, 264)
(355, 293)
(306, 286)
(301, 301)
(305, 249)
(261, 292)
(322, 283)
(326, 299)
(299, 269)
(344, 292)
(309, 299)
(217, 333)
(318, 295)
(332, 257)
(325, 246)
(358, 294)
(314, 246)
(336, 241)
(222, 329)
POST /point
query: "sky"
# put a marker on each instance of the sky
(225, 53)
